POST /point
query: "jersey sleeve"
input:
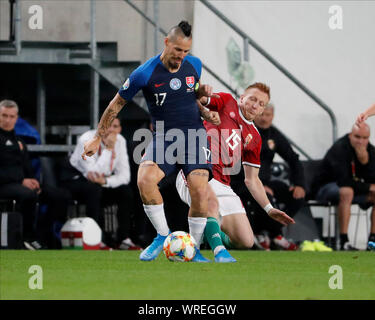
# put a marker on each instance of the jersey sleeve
(217, 103)
(196, 63)
(132, 85)
(252, 157)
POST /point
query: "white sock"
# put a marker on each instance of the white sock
(156, 215)
(218, 249)
(196, 228)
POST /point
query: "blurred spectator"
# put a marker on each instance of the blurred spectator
(29, 135)
(103, 179)
(347, 175)
(17, 181)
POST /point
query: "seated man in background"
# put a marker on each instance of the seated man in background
(104, 179)
(17, 181)
(347, 175)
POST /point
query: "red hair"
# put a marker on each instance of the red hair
(260, 86)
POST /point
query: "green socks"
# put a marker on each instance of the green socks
(226, 241)
(215, 237)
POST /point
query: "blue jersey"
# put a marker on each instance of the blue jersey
(170, 96)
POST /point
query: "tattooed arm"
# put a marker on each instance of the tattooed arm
(210, 116)
(110, 113)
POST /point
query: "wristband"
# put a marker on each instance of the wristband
(207, 103)
(268, 207)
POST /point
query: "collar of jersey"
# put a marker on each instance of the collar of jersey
(243, 117)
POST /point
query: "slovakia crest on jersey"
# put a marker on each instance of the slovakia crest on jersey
(190, 81)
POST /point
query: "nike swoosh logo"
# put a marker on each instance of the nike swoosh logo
(157, 85)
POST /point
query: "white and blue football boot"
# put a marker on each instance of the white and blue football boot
(153, 250)
(199, 258)
(223, 256)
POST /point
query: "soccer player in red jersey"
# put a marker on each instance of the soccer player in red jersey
(236, 140)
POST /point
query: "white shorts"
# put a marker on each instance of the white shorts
(229, 201)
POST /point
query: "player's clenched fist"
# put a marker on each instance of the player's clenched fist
(214, 118)
(91, 147)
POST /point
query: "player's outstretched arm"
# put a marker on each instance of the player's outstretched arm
(255, 187)
(364, 115)
(109, 114)
(205, 91)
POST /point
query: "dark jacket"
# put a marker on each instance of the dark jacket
(273, 141)
(340, 165)
(14, 161)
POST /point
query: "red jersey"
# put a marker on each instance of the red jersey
(234, 141)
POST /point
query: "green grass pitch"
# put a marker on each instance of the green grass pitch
(69, 274)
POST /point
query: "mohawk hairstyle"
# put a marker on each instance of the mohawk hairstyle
(185, 27)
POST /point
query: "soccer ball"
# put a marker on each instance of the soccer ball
(179, 246)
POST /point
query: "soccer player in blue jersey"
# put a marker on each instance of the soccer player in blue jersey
(170, 85)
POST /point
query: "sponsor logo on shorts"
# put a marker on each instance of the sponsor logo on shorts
(175, 84)
(207, 154)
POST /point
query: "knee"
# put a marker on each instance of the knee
(247, 243)
(242, 241)
(346, 194)
(146, 181)
(199, 195)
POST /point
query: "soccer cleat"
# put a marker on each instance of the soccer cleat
(223, 256)
(371, 246)
(308, 246)
(103, 246)
(262, 242)
(153, 250)
(348, 247)
(199, 258)
(128, 244)
(284, 244)
(321, 247)
(33, 245)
